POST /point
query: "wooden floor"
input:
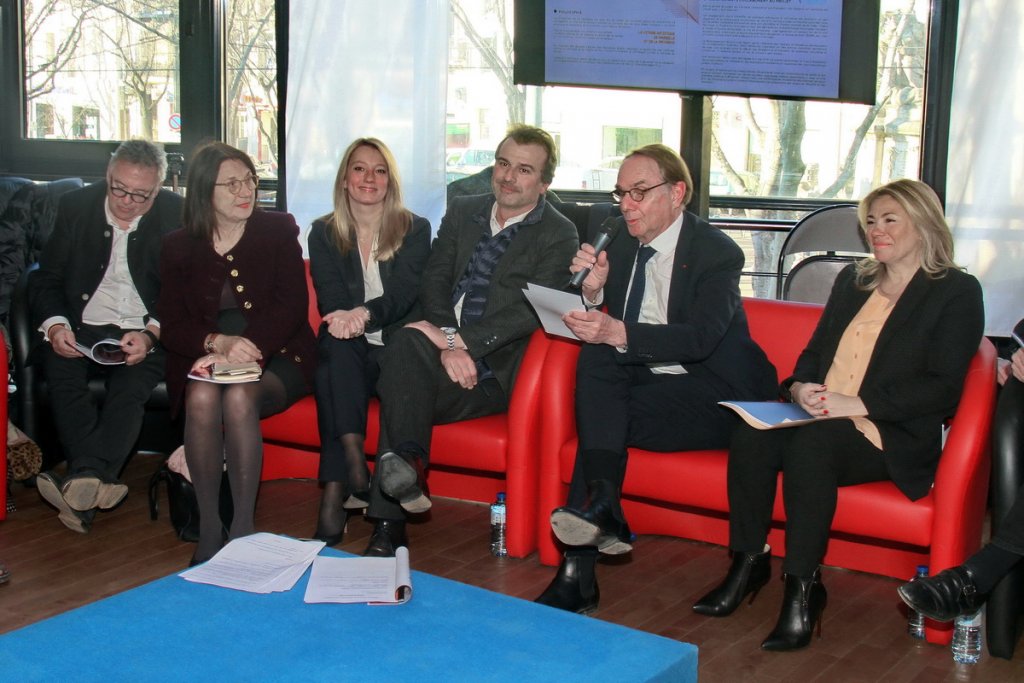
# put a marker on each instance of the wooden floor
(864, 638)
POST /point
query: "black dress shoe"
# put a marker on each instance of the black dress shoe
(945, 596)
(803, 602)
(574, 587)
(388, 534)
(49, 486)
(402, 478)
(748, 574)
(600, 523)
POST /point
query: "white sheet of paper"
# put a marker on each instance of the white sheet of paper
(375, 580)
(551, 305)
(260, 563)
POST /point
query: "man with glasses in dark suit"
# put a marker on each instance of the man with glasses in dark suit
(98, 279)
(673, 342)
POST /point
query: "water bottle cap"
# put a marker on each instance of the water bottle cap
(501, 495)
(922, 569)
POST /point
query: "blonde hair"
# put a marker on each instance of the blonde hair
(925, 212)
(396, 220)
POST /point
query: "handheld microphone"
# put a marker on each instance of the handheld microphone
(605, 235)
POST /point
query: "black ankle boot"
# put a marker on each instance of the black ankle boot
(388, 534)
(748, 574)
(600, 523)
(574, 587)
(803, 602)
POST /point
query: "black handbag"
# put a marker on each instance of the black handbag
(182, 504)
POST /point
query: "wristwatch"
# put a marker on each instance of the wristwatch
(449, 336)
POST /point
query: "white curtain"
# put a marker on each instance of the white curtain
(366, 69)
(985, 185)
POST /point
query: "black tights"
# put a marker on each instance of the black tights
(357, 480)
(222, 425)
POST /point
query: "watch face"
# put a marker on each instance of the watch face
(448, 330)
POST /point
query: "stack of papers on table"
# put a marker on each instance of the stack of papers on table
(260, 563)
(376, 580)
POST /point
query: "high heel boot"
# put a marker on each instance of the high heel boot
(803, 602)
(748, 574)
(574, 587)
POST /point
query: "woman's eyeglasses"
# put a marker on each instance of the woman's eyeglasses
(637, 194)
(235, 186)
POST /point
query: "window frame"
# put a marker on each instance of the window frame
(201, 65)
(201, 53)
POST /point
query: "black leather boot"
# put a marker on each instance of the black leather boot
(748, 574)
(388, 535)
(600, 523)
(803, 602)
(945, 596)
(574, 587)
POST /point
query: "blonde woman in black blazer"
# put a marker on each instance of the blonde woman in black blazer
(926, 318)
(366, 258)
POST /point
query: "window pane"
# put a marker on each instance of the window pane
(101, 71)
(250, 107)
(779, 148)
(592, 128)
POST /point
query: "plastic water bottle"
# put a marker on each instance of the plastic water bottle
(498, 548)
(966, 645)
(915, 624)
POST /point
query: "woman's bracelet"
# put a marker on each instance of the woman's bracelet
(209, 343)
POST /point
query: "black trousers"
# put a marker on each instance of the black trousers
(346, 377)
(416, 394)
(618, 406)
(815, 459)
(98, 437)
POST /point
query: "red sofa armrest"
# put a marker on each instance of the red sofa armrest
(961, 481)
(522, 459)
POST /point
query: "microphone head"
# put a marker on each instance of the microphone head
(610, 227)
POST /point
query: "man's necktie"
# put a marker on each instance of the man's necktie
(636, 290)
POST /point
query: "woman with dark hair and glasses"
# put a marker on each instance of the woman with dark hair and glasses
(366, 258)
(234, 291)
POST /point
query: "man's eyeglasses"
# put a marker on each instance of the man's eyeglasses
(137, 197)
(637, 194)
(235, 186)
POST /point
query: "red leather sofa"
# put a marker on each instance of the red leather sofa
(470, 460)
(876, 528)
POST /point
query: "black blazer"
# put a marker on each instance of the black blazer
(540, 253)
(268, 276)
(338, 278)
(707, 327)
(77, 253)
(916, 372)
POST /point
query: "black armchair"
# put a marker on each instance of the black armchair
(1006, 602)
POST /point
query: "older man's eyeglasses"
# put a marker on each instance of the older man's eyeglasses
(137, 197)
(235, 185)
(637, 194)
